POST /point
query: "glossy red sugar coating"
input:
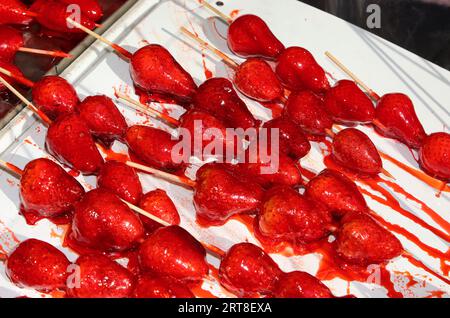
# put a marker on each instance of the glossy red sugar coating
(307, 110)
(288, 216)
(14, 12)
(338, 193)
(292, 140)
(122, 180)
(152, 146)
(218, 97)
(362, 241)
(172, 251)
(249, 35)
(47, 190)
(256, 79)
(354, 150)
(90, 8)
(69, 140)
(220, 194)
(298, 70)
(103, 118)
(434, 155)
(301, 285)
(347, 104)
(395, 112)
(11, 40)
(247, 271)
(99, 277)
(38, 265)
(159, 204)
(154, 70)
(103, 222)
(59, 13)
(152, 286)
(54, 96)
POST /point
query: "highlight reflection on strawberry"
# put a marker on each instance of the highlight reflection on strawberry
(100, 277)
(38, 265)
(249, 35)
(122, 180)
(47, 190)
(172, 251)
(154, 70)
(159, 204)
(69, 140)
(247, 271)
(103, 222)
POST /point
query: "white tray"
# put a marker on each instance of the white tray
(384, 66)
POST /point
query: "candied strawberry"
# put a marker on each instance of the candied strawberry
(246, 270)
(152, 286)
(122, 180)
(434, 155)
(301, 285)
(103, 222)
(159, 204)
(97, 276)
(249, 35)
(172, 251)
(38, 265)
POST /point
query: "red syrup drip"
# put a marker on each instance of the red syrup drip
(32, 218)
(276, 108)
(439, 185)
(391, 202)
(208, 73)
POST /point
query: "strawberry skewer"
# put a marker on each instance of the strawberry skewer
(400, 122)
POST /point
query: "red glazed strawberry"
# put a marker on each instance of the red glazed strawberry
(47, 190)
(98, 276)
(14, 70)
(353, 150)
(347, 104)
(306, 109)
(218, 97)
(152, 146)
(159, 204)
(205, 131)
(292, 140)
(152, 286)
(290, 217)
(246, 270)
(59, 13)
(54, 96)
(103, 118)
(298, 70)
(103, 222)
(434, 155)
(171, 251)
(11, 40)
(281, 171)
(38, 265)
(154, 70)
(256, 79)
(121, 180)
(362, 241)
(337, 192)
(219, 194)
(90, 8)
(14, 12)
(69, 140)
(398, 119)
(301, 285)
(249, 35)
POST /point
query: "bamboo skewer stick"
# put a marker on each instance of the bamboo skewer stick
(127, 54)
(207, 46)
(18, 78)
(45, 52)
(41, 115)
(225, 18)
(146, 109)
(372, 94)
